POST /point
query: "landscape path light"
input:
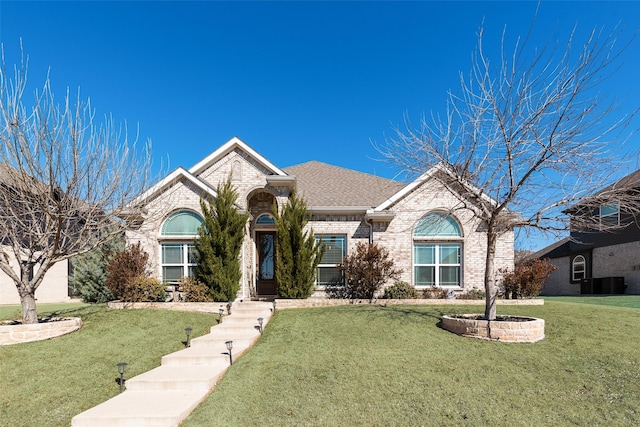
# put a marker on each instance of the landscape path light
(121, 366)
(229, 308)
(260, 320)
(188, 331)
(229, 345)
(220, 313)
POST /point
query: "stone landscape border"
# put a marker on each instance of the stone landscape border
(55, 327)
(513, 329)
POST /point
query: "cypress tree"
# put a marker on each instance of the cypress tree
(220, 242)
(297, 252)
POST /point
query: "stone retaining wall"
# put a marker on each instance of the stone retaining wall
(526, 329)
(321, 302)
(202, 307)
(15, 334)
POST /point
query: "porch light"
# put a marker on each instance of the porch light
(229, 345)
(121, 366)
(188, 332)
(260, 320)
(220, 313)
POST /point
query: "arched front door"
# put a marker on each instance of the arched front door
(266, 262)
(263, 232)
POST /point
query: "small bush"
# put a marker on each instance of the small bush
(474, 293)
(366, 271)
(401, 290)
(194, 290)
(526, 280)
(145, 289)
(125, 269)
(435, 292)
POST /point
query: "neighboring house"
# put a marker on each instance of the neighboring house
(603, 258)
(427, 237)
(54, 287)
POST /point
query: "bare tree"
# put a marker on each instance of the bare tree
(65, 181)
(526, 138)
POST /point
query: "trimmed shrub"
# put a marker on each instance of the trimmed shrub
(526, 280)
(366, 271)
(401, 290)
(474, 293)
(435, 292)
(194, 290)
(145, 289)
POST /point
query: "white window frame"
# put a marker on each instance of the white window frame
(437, 263)
(577, 261)
(321, 237)
(186, 266)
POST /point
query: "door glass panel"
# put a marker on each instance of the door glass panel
(267, 252)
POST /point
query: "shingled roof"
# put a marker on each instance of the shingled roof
(324, 185)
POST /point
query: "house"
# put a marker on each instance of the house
(432, 241)
(602, 253)
(54, 287)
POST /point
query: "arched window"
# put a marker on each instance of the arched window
(437, 260)
(182, 223)
(179, 257)
(578, 268)
(437, 224)
(265, 219)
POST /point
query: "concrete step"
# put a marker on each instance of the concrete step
(193, 378)
(225, 335)
(141, 409)
(209, 352)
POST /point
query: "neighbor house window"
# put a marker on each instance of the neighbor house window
(335, 251)
(578, 268)
(610, 214)
(437, 257)
(177, 251)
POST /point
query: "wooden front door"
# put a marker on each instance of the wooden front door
(266, 268)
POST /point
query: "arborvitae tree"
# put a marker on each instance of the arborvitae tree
(220, 242)
(90, 272)
(297, 252)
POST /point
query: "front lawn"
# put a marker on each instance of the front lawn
(369, 365)
(46, 383)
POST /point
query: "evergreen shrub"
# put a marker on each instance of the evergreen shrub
(401, 290)
(194, 290)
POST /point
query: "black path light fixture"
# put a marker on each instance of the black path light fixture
(121, 366)
(220, 314)
(229, 307)
(229, 345)
(260, 320)
(188, 330)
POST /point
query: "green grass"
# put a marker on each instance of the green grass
(46, 383)
(367, 365)
(631, 301)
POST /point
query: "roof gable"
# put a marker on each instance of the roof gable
(176, 176)
(233, 144)
(439, 168)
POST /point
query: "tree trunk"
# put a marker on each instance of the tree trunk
(489, 279)
(28, 301)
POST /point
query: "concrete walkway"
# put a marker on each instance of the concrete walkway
(166, 395)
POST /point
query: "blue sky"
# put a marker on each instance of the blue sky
(297, 81)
